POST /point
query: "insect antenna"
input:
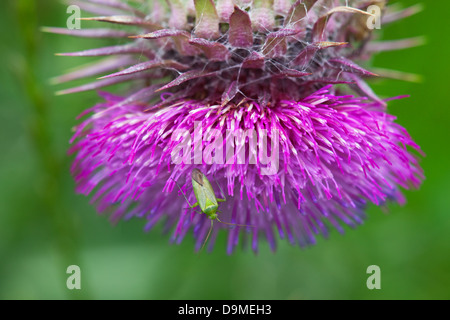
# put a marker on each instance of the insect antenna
(236, 224)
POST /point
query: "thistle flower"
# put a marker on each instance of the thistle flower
(279, 69)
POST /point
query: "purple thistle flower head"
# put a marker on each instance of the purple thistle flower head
(254, 94)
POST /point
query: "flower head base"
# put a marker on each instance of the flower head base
(243, 71)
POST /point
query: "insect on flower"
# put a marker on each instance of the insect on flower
(233, 76)
(206, 199)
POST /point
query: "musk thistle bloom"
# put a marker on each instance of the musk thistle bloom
(285, 73)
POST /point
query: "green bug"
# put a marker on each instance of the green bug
(206, 199)
(204, 193)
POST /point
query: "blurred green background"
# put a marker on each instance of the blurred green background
(45, 226)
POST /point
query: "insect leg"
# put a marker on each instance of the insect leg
(190, 206)
(221, 191)
(207, 237)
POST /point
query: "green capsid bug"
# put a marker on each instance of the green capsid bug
(206, 199)
(204, 193)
